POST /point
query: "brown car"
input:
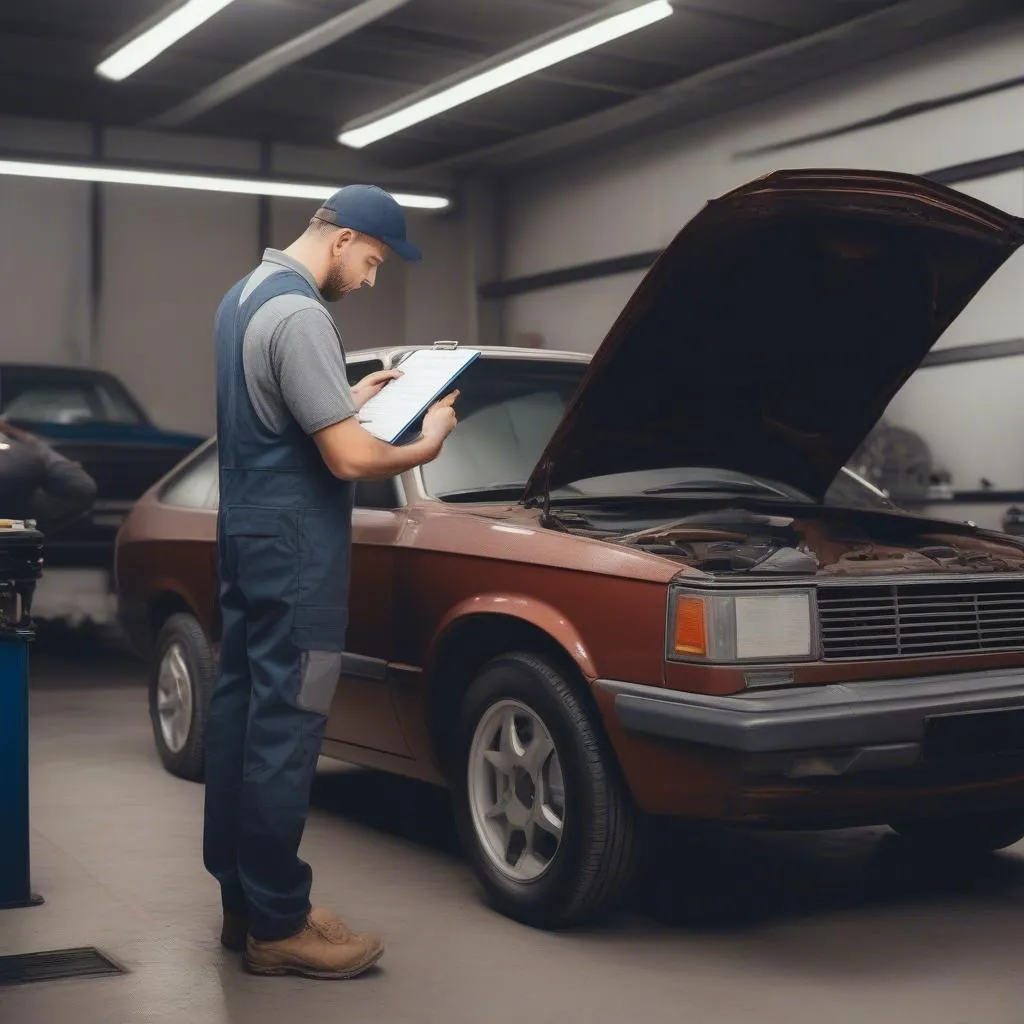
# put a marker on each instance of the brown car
(644, 585)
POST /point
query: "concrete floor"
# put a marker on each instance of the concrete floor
(735, 927)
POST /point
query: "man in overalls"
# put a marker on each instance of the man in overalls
(290, 447)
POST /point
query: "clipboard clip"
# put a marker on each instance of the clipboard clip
(448, 345)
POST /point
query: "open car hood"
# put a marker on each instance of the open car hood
(772, 333)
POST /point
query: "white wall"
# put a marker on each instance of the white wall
(169, 255)
(636, 199)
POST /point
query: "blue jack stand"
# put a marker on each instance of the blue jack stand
(20, 567)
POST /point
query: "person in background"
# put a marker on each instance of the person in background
(38, 483)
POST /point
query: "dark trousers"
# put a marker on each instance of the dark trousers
(262, 746)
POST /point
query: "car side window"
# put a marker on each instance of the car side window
(197, 485)
(379, 494)
(359, 368)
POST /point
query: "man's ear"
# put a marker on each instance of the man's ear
(341, 239)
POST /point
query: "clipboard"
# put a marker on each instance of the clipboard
(427, 375)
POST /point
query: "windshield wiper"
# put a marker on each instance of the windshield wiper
(717, 487)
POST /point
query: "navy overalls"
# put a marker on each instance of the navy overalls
(283, 544)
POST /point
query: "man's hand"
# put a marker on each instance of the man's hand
(352, 453)
(440, 419)
(372, 384)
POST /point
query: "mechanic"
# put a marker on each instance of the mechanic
(39, 483)
(290, 448)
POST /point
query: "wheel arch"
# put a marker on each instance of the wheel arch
(483, 629)
(161, 605)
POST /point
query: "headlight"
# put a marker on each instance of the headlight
(741, 627)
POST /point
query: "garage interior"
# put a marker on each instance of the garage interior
(540, 207)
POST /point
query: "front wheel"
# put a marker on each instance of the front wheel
(180, 683)
(548, 823)
(964, 834)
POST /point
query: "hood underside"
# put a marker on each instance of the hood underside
(772, 333)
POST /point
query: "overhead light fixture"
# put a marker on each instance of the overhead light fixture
(154, 39)
(505, 69)
(198, 182)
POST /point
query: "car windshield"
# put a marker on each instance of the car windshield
(509, 410)
(64, 397)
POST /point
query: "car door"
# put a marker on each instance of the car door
(363, 713)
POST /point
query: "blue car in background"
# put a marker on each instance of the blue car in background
(90, 417)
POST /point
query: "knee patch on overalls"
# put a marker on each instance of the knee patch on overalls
(319, 674)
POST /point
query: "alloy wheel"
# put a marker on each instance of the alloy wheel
(174, 698)
(516, 791)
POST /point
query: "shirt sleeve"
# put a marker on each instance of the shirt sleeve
(308, 364)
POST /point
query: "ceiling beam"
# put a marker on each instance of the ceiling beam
(521, 50)
(275, 60)
(748, 80)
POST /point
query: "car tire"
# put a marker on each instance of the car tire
(180, 684)
(964, 834)
(586, 870)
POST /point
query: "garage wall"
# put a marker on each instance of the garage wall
(635, 199)
(44, 251)
(165, 258)
(168, 256)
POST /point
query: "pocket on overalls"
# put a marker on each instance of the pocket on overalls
(262, 557)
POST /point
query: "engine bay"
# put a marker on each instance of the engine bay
(836, 542)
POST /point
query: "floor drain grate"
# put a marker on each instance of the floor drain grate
(56, 964)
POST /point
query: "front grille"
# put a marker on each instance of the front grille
(921, 620)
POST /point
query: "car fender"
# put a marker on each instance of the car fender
(539, 614)
(165, 590)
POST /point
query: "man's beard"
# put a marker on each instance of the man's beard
(335, 287)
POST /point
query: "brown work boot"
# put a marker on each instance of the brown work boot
(234, 931)
(325, 948)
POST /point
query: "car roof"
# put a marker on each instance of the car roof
(493, 351)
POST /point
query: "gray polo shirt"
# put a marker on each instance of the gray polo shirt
(292, 356)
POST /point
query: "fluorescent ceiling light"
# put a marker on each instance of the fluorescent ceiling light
(544, 56)
(200, 182)
(152, 41)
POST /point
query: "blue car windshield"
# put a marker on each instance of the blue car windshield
(65, 398)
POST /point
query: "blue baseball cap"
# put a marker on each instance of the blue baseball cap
(371, 211)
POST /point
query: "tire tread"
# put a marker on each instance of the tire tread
(188, 763)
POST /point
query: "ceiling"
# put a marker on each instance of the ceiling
(49, 48)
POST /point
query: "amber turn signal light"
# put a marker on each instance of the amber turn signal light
(690, 632)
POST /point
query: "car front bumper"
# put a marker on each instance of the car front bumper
(842, 727)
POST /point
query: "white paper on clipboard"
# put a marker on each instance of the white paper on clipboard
(427, 375)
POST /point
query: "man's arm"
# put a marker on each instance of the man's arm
(309, 369)
(65, 491)
(352, 453)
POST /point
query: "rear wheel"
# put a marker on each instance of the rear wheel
(548, 823)
(963, 835)
(180, 683)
